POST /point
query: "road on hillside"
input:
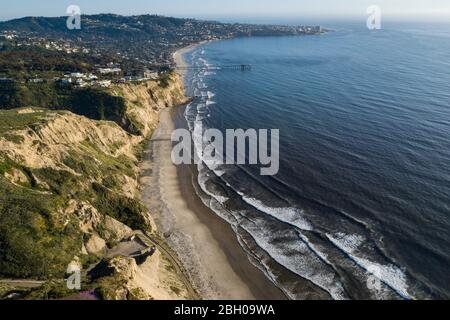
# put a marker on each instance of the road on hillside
(126, 249)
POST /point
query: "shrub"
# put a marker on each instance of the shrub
(33, 240)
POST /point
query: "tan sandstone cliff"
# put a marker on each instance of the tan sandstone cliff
(69, 192)
(144, 101)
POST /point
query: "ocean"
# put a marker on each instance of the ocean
(360, 208)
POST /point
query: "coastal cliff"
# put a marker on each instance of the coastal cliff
(144, 102)
(69, 195)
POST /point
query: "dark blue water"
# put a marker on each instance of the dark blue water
(361, 205)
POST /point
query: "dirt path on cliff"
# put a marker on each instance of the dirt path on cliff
(22, 283)
(169, 255)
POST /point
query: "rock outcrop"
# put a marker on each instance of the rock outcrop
(122, 278)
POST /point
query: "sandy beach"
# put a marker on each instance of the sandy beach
(178, 57)
(206, 245)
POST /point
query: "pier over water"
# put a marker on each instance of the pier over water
(242, 67)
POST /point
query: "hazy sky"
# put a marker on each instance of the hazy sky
(231, 8)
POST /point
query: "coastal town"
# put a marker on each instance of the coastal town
(113, 49)
(100, 75)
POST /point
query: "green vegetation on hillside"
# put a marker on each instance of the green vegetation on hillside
(38, 239)
(22, 63)
(94, 103)
(10, 120)
(34, 242)
(28, 62)
(50, 210)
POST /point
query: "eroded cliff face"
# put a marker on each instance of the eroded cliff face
(149, 280)
(52, 136)
(144, 102)
(69, 190)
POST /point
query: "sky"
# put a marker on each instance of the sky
(433, 9)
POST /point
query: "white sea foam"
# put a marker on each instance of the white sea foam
(291, 216)
(302, 257)
(300, 260)
(201, 107)
(390, 274)
(305, 263)
(202, 179)
(313, 247)
(197, 137)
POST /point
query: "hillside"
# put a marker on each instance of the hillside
(69, 193)
(149, 39)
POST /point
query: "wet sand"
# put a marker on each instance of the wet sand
(218, 266)
(206, 244)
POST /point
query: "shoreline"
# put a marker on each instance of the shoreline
(179, 59)
(217, 265)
